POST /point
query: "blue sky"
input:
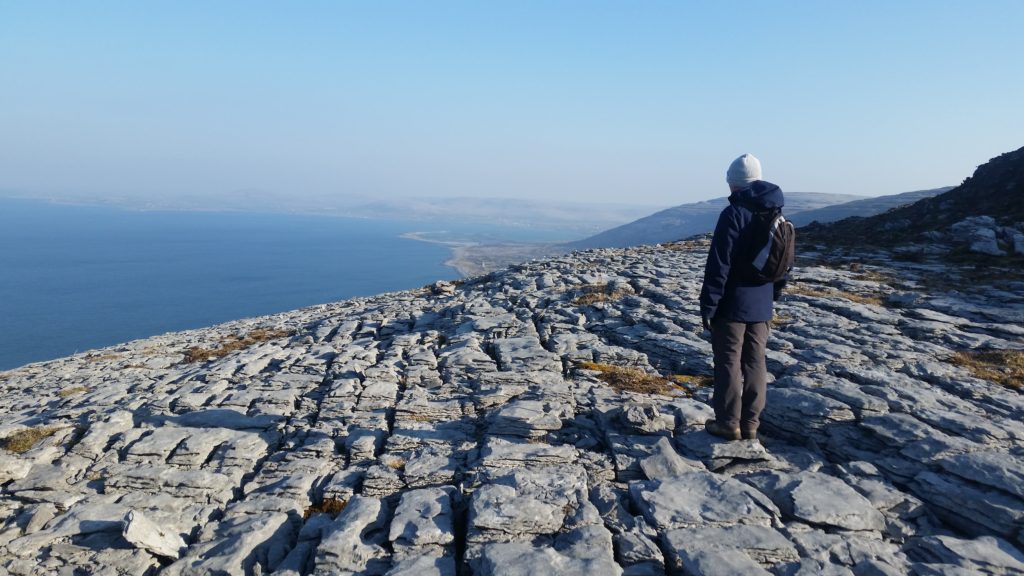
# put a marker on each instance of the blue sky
(642, 102)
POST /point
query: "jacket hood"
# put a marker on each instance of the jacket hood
(759, 195)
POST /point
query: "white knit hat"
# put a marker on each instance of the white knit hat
(743, 171)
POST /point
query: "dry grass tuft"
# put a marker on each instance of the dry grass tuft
(686, 245)
(235, 343)
(396, 464)
(692, 380)
(594, 293)
(332, 506)
(780, 320)
(691, 383)
(1004, 367)
(23, 440)
(102, 357)
(804, 290)
(629, 379)
(873, 276)
(72, 391)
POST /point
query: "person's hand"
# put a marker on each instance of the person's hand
(706, 322)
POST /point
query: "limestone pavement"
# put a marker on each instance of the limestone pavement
(458, 429)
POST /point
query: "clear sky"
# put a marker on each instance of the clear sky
(640, 101)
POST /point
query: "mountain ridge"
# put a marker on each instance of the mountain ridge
(995, 190)
(686, 220)
(863, 208)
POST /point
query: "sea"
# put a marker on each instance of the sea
(75, 278)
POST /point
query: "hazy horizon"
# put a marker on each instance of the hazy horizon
(600, 102)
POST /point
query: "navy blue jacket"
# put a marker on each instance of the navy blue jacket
(723, 297)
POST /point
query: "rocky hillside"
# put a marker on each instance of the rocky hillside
(689, 219)
(544, 419)
(863, 208)
(985, 214)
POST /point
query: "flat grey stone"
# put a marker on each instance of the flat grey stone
(799, 412)
(424, 565)
(701, 498)
(87, 517)
(993, 469)
(13, 467)
(985, 554)
(826, 500)
(719, 562)
(526, 418)
(642, 418)
(521, 559)
(762, 544)
(969, 506)
(235, 545)
(850, 550)
(634, 547)
(525, 502)
(666, 463)
(143, 533)
(721, 455)
(351, 543)
(820, 499)
(692, 413)
(524, 354)
(219, 418)
(423, 517)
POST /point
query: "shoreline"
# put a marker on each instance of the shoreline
(470, 259)
(456, 250)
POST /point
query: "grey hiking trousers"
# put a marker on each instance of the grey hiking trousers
(741, 377)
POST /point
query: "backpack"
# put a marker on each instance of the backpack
(772, 247)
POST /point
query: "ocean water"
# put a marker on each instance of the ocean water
(74, 278)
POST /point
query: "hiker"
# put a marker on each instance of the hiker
(736, 306)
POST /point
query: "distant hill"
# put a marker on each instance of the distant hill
(581, 217)
(996, 190)
(574, 218)
(688, 219)
(863, 208)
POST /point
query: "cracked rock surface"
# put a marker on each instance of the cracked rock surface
(468, 428)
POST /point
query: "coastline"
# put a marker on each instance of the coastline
(456, 251)
(473, 258)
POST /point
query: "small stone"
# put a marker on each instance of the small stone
(665, 463)
(143, 533)
(423, 517)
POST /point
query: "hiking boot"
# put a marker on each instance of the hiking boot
(749, 434)
(716, 429)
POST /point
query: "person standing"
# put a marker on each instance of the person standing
(736, 309)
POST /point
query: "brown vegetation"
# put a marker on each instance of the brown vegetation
(804, 290)
(102, 357)
(692, 382)
(869, 275)
(780, 320)
(234, 343)
(332, 506)
(594, 293)
(687, 245)
(72, 391)
(630, 379)
(1004, 367)
(23, 440)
